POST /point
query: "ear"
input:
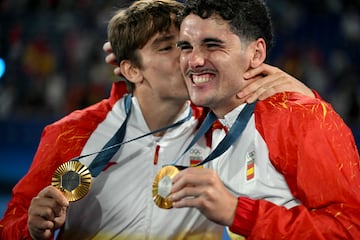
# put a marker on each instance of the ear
(130, 72)
(259, 52)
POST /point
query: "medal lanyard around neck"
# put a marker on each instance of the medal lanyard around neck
(113, 145)
(233, 134)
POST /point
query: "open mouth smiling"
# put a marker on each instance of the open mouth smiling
(201, 77)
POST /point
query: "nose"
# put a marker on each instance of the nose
(196, 58)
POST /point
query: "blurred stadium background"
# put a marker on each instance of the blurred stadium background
(51, 63)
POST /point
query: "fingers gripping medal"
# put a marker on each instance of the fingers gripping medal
(73, 179)
(162, 186)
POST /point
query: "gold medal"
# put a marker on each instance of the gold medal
(73, 179)
(162, 186)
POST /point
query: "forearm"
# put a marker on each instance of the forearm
(260, 219)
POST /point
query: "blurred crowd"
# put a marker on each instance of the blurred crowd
(318, 42)
(55, 62)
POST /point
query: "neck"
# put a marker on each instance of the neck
(224, 108)
(159, 114)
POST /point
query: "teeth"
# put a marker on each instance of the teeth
(200, 79)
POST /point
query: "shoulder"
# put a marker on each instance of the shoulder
(294, 106)
(291, 101)
(293, 114)
(80, 122)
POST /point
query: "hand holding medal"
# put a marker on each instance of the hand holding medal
(73, 179)
(162, 184)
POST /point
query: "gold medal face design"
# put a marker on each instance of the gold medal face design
(73, 179)
(162, 186)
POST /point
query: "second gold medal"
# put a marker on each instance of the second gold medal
(162, 186)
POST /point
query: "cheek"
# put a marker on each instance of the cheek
(238, 66)
(183, 63)
(232, 77)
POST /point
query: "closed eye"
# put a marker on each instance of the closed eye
(183, 46)
(212, 43)
(167, 48)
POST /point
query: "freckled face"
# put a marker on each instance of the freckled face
(212, 60)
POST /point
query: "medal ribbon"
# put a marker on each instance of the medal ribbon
(233, 134)
(113, 145)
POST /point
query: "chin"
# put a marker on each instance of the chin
(198, 101)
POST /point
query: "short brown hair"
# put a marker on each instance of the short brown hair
(130, 29)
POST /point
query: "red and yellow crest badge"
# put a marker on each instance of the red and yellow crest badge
(250, 166)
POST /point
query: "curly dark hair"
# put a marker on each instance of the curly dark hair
(249, 19)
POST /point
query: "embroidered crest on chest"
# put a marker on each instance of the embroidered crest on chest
(250, 165)
(195, 156)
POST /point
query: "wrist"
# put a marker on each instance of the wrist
(244, 216)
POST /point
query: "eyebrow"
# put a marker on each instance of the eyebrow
(204, 41)
(212, 40)
(161, 39)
